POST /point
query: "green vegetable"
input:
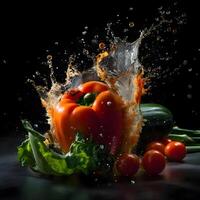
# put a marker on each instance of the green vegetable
(25, 149)
(191, 133)
(191, 138)
(193, 148)
(84, 156)
(158, 120)
(181, 138)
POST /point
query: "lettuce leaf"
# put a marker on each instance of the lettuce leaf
(84, 156)
(25, 149)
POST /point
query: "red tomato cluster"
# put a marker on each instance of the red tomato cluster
(153, 160)
(173, 150)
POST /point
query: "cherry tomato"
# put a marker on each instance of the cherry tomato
(153, 162)
(175, 151)
(156, 146)
(127, 165)
(165, 141)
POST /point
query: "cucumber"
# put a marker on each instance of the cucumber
(158, 123)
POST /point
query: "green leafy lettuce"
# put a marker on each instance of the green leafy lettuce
(84, 156)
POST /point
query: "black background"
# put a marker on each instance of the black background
(30, 28)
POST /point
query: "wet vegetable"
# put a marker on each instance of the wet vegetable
(158, 121)
(165, 141)
(92, 110)
(175, 151)
(153, 162)
(84, 156)
(127, 165)
(90, 154)
(156, 146)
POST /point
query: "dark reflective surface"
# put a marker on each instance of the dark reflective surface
(179, 180)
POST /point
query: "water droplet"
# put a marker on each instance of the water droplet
(115, 180)
(37, 73)
(94, 41)
(56, 43)
(194, 112)
(86, 27)
(101, 45)
(108, 103)
(84, 32)
(100, 134)
(4, 61)
(169, 29)
(189, 96)
(162, 40)
(194, 58)
(4, 113)
(36, 125)
(132, 182)
(131, 24)
(158, 38)
(85, 52)
(82, 40)
(185, 62)
(190, 70)
(49, 57)
(19, 99)
(96, 179)
(189, 86)
(175, 3)
(131, 8)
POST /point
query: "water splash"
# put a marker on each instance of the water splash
(118, 66)
(120, 69)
